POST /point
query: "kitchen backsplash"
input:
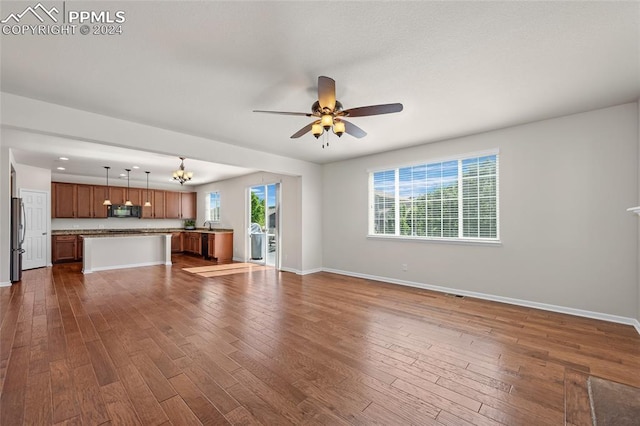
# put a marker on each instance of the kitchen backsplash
(114, 223)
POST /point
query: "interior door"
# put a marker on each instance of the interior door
(36, 228)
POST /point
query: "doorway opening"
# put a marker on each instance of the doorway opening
(264, 224)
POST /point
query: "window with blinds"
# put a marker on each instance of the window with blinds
(213, 207)
(453, 199)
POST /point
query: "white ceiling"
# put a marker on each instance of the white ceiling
(458, 67)
(87, 159)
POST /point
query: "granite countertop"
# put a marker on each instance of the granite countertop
(125, 234)
(139, 231)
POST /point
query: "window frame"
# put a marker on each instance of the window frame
(208, 209)
(456, 240)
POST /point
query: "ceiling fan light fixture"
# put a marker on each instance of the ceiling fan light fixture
(327, 121)
(329, 112)
(316, 129)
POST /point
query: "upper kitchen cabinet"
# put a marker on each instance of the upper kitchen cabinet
(84, 194)
(64, 200)
(117, 194)
(188, 205)
(99, 195)
(90, 201)
(71, 200)
(172, 205)
(158, 204)
(135, 196)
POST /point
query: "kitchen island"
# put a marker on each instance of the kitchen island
(103, 252)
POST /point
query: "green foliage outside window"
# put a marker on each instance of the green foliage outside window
(257, 210)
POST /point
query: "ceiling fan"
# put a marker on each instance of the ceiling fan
(331, 115)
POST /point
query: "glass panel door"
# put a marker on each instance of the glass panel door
(264, 224)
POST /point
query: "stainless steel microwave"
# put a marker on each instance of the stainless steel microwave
(120, 210)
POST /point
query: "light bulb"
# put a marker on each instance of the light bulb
(327, 121)
(316, 129)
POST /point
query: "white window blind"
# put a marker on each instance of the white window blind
(213, 207)
(453, 199)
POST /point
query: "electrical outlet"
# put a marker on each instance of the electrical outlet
(100, 226)
(405, 267)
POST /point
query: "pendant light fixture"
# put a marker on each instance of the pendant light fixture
(147, 203)
(107, 200)
(181, 175)
(128, 202)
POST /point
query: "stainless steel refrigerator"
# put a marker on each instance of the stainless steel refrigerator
(18, 228)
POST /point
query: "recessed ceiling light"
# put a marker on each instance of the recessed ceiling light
(63, 158)
(123, 175)
(61, 168)
(136, 167)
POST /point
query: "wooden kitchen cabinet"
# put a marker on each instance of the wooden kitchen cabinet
(99, 194)
(64, 248)
(172, 205)
(84, 194)
(70, 200)
(117, 195)
(176, 242)
(220, 246)
(64, 200)
(188, 205)
(80, 247)
(157, 206)
(156, 210)
(135, 196)
(180, 205)
(192, 242)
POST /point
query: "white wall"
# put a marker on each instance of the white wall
(5, 214)
(311, 227)
(567, 240)
(234, 214)
(36, 178)
(638, 204)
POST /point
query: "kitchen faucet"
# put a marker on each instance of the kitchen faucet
(209, 222)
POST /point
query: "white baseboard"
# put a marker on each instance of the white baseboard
(520, 302)
(299, 272)
(5, 284)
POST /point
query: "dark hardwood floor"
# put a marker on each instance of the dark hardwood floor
(158, 345)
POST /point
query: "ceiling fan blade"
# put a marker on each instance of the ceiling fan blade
(302, 131)
(372, 110)
(327, 92)
(353, 130)
(306, 114)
